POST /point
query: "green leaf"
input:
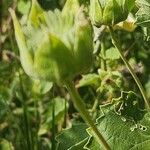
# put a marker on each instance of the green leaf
(110, 12)
(5, 145)
(4, 93)
(73, 138)
(130, 4)
(3, 108)
(71, 7)
(123, 135)
(129, 105)
(95, 11)
(6, 70)
(143, 15)
(112, 54)
(48, 114)
(23, 6)
(41, 87)
(25, 55)
(147, 87)
(89, 79)
(51, 44)
(54, 61)
(126, 128)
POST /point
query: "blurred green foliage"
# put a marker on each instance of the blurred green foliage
(33, 112)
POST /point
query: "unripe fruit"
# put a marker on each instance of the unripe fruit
(54, 46)
(109, 12)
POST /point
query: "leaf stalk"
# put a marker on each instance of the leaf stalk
(138, 82)
(79, 105)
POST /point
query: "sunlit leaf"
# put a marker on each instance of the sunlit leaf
(59, 104)
(5, 145)
(73, 138)
(112, 54)
(123, 128)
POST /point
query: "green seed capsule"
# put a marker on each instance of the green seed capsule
(54, 46)
(109, 12)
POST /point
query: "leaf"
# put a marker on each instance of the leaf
(129, 105)
(6, 70)
(4, 100)
(71, 7)
(128, 25)
(130, 4)
(5, 145)
(143, 15)
(53, 64)
(147, 87)
(23, 6)
(83, 34)
(89, 79)
(119, 130)
(73, 138)
(112, 54)
(25, 55)
(48, 4)
(36, 14)
(4, 93)
(48, 114)
(123, 135)
(41, 87)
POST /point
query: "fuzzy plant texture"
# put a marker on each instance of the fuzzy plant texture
(110, 12)
(53, 45)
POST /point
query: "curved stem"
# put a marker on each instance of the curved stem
(78, 103)
(139, 84)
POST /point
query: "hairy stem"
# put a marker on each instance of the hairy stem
(139, 84)
(78, 103)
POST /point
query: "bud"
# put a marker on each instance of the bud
(109, 12)
(83, 44)
(53, 46)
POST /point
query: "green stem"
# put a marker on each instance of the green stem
(28, 135)
(118, 47)
(36, 115)
(103, 54)
(65, 116)
(25, 113)
(53, 125)
(78, 102)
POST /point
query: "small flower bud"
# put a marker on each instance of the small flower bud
(109, 12)
(54, 46)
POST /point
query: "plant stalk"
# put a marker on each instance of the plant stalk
(103, 54)
(53, 125)
(79, 105)
(25, 115)
(139, 84)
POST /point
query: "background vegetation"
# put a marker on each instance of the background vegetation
(33, 112)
